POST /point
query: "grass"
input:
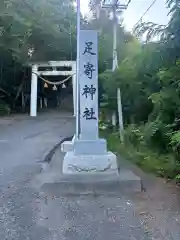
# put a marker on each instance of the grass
(163, 165)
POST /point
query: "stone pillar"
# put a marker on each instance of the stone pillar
(88, 82)
(89, 141)
(74, 87)
(33, 104)
(88, 154)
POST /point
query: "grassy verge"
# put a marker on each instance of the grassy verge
(163, 165)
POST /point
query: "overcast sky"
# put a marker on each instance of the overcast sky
(158, 13)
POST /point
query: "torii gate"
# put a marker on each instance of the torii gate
(54, 64)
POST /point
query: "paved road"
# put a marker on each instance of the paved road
(70, 216)
(24, 142)
(25, 138)
(28, 214)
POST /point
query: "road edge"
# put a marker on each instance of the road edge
(49, 155)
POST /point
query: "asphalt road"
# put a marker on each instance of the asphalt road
(27, 213)
(24, 142)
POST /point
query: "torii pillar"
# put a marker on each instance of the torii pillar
(33, 104)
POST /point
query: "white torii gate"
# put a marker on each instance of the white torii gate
(53, 64)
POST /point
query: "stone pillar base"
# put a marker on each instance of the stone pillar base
(67, 146)
(90, 147)
(90, 163)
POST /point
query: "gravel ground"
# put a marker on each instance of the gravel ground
(24, 142)
(17, 218)
(159, 210)
(90, 217)
(158, 206)
(73, 216)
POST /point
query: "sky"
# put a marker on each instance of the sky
(158, 13)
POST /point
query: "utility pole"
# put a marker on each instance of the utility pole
(114, 53)
(114, 67)
(114, 56)
(115, 5)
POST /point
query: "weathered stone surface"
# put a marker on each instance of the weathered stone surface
(92, 147)
(103, 163)
(67, 146)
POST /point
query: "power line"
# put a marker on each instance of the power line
(124, 5)
(128, 2)
(147, 10)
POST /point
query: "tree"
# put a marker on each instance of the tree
(48, 27)
(41, 24)
(170, 34)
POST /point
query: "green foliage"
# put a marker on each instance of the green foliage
(134, 135)
(48, 27)
(109, 90)
(135, 149)
(153, 140)
(148, 76)
(168, 35)
(175, 143)
(37, 24)
(156, 136)
(149, 84)
(136, 76)
(178, 178)
(104, 26)
(4, 109)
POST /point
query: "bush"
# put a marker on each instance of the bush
(175, 142)
(156, 135)
(4, 109)
(136, 149)
(134, 135)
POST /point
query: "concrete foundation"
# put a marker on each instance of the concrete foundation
(97, 163)
(88, 156)
(85, 181)
(83, 184)
(88, 167)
